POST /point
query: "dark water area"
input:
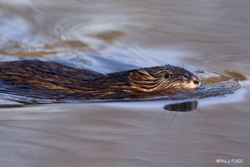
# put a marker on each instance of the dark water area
(209, 127)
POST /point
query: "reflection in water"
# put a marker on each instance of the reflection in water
(182, 107)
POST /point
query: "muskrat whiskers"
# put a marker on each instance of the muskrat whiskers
(202, 113)
(172, 119)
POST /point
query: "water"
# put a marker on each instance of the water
(109, 36)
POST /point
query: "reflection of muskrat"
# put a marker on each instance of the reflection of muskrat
(81, 83)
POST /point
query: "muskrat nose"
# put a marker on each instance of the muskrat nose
(196, 80)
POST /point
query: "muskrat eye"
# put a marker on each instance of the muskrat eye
(167, 76)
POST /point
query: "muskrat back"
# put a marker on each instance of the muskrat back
(80, 83)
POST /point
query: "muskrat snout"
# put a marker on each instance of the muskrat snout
(196, 80)
(192, 83)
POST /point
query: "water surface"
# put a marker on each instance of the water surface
(109, 36)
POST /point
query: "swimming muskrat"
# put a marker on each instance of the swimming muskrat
(71, 82)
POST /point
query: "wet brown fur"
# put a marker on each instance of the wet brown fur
(80, 83)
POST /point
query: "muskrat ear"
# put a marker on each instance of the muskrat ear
(138, 74)
(134, 74)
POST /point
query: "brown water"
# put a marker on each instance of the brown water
(108, 36)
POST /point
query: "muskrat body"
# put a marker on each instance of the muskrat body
(69, 82)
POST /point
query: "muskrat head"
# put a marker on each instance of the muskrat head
(163, 80)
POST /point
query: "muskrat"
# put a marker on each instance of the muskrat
(75, 83)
